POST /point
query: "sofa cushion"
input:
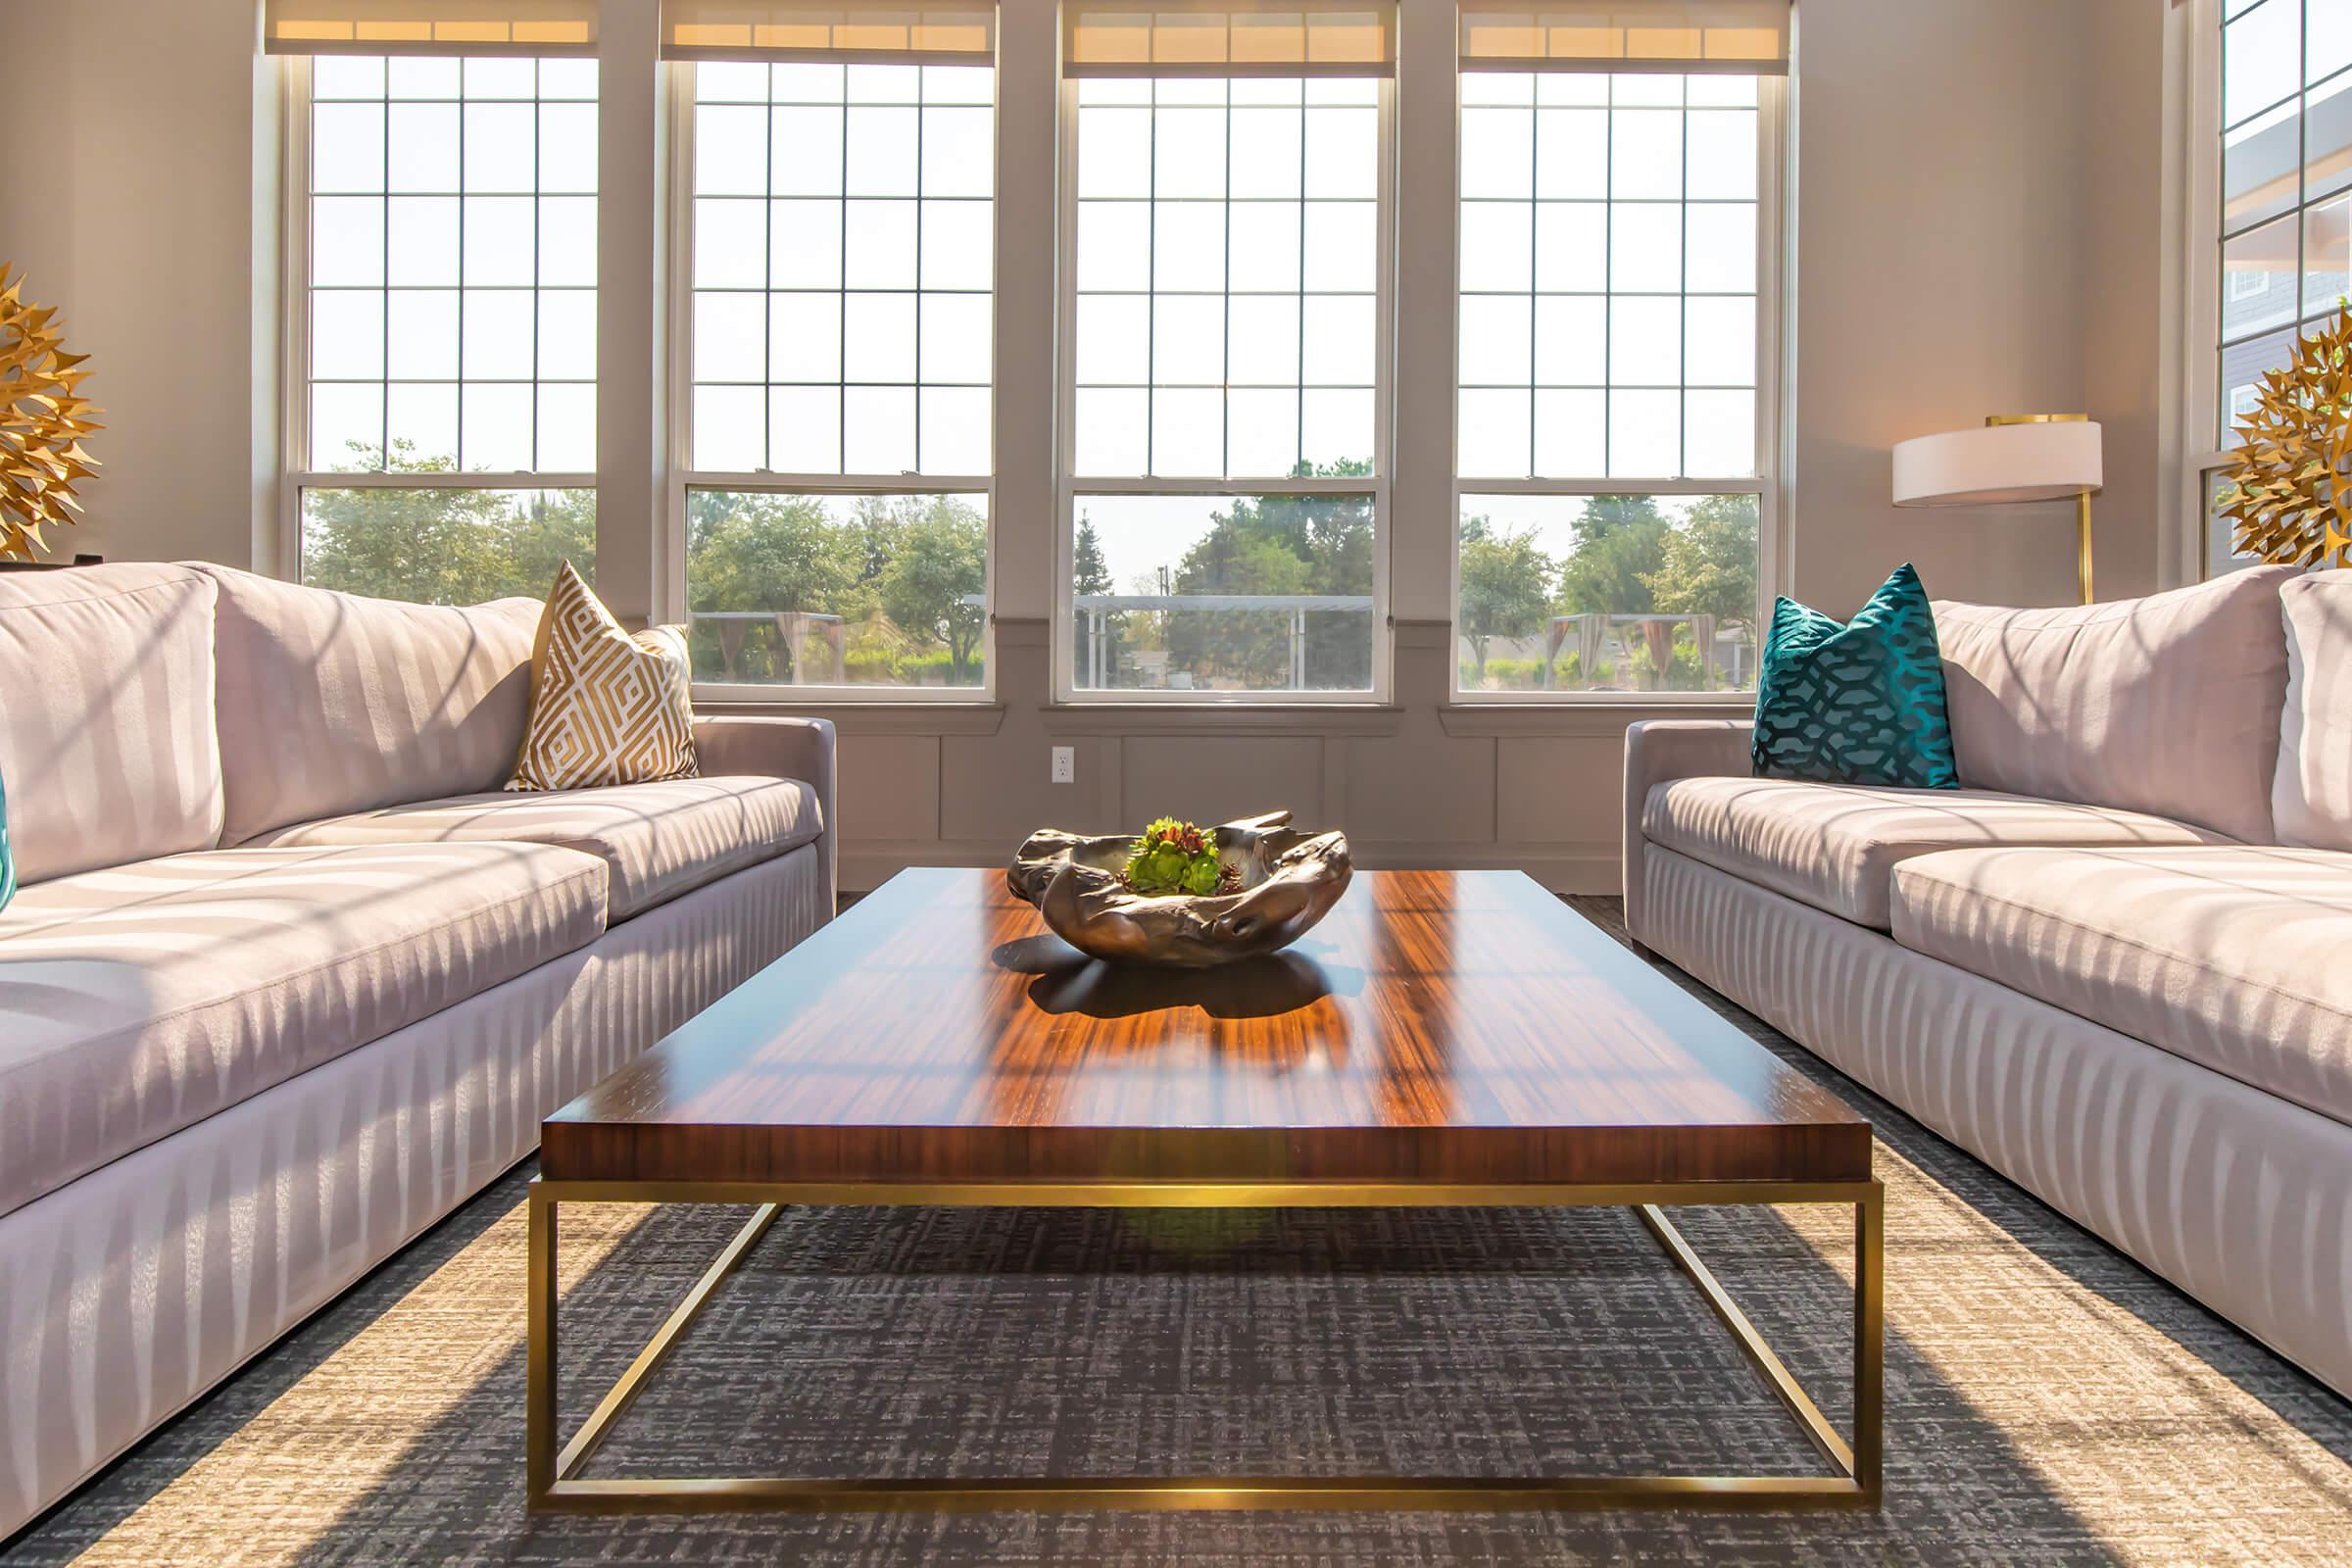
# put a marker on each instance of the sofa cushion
(1834, 846)
(140, 999)
(2230, 957)
(106, 716)
(658, 840)
(2311, 797)
(330, 703)
(2166, 705)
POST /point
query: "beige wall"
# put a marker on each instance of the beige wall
(1979, 189)
(1980, 185)
(134, 129)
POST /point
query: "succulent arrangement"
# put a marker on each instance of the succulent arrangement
(1176, 858)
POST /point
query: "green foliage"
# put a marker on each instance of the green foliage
(933, 576)
(443, 547)
(1620, 540)
(1090, 572)
(1708, 566)
(1280, 545)
(1503, 583)
(1173, 858)
(896, 573)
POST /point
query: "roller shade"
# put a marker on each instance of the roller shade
(1337, 39)
(429, 26)
(915, 33)
(1748, 37)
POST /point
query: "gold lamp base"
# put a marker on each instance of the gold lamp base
(2081, 499)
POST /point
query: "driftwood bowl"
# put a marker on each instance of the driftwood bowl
(1289, 881)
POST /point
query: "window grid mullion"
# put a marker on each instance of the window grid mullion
(1682, 304)
(1225, 306)
(383, 450)
(1609, 277)
(1151, 282)
(536, 151)
(914, 375)
(1299, 451)
(841, 368)
(457, 436)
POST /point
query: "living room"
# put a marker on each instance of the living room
(1407, 781)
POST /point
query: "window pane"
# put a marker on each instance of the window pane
(446, 547)
(1228, 258)
(1629, 278)
(491, 303)
(877, 178)
(1223, 593)
(2258, 279)
(1628, 593)
(2261, 57)
(804, 590)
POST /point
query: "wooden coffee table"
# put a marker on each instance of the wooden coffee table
(1440, 1039)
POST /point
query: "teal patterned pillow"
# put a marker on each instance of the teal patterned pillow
(1858, 702)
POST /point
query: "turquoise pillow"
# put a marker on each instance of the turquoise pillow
(1859, 702)
(7, 864)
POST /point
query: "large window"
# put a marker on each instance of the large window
(1616, 364)
(1225, 444)
(443, 421)
(840, 359)
(2281, 212)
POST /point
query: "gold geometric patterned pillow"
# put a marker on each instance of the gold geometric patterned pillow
(607, 707)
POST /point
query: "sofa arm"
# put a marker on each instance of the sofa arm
(779, 747)
(1657, 751)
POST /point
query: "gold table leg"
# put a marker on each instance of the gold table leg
(554, 1483)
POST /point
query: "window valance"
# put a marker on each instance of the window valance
(916, 33)
(1300, 38)
(429, 26)
(1749, 37)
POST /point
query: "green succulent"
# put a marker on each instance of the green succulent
(1174, 856)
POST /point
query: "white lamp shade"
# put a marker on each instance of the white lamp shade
(1996, 464)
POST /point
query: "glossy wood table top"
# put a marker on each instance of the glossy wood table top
(1460, 1028)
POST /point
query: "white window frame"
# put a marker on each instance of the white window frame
(683, 479)
(294, 434)
(1070, 488)
(1766, 484)
(2196, 553)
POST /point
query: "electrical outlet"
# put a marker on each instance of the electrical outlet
(1065, 764)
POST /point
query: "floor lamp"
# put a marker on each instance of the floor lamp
(2013, 457)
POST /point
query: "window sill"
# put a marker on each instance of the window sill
(1573, 718)
(1223, 718)
(874, 718)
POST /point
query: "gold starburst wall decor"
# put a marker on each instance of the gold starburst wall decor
(43, 421)
(2288, 488)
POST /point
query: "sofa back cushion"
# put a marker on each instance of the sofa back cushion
(106, 716)
(2312, 793)
(2166, 705)
(332, 703)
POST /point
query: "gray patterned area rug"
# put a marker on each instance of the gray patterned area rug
(2047, 1402)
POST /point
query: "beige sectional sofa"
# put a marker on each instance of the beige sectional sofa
(288, 977)
(2114, 965)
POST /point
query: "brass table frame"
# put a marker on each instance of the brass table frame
(555, 1484)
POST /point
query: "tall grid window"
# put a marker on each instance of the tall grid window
(1228, 262)
(449, 324)
(2281, 212)
(843, 240)
(2287, 160)
(840, 354)
(1612, 414)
